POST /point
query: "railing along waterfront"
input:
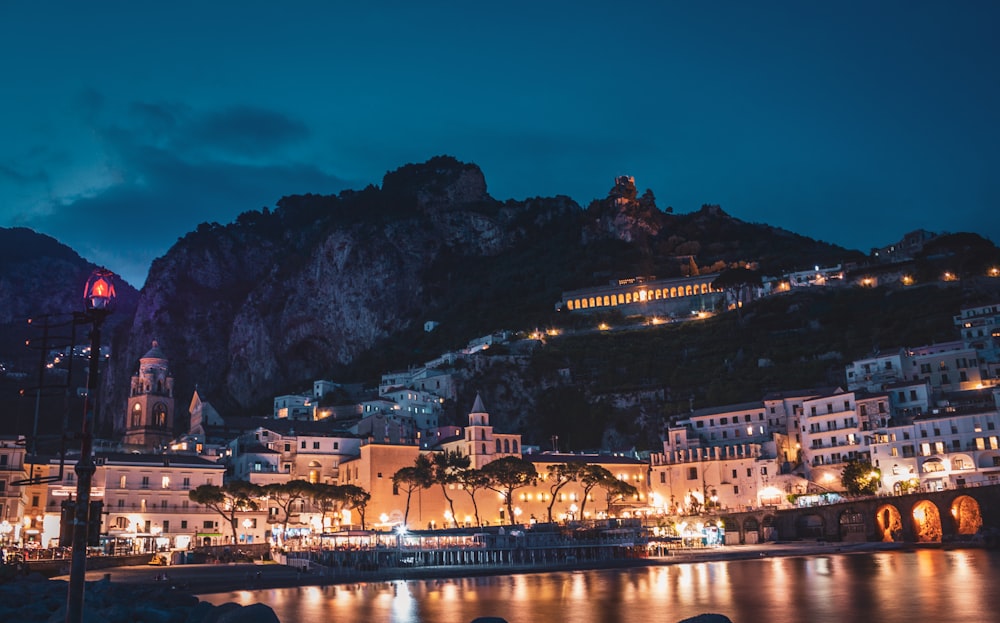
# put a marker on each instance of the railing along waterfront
(508, 547)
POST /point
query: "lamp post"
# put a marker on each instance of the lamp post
(98, 296)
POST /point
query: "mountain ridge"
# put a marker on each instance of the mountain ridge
(339, 286)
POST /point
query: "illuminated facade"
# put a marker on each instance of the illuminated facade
(145, 498)
(149, 420)
(940, 451)
(12, 497)
(641, 295)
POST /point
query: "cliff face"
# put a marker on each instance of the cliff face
(266, 304)
(274, 300)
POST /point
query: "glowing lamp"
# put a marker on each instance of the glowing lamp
(99, 293)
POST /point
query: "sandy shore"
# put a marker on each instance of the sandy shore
(224, 578)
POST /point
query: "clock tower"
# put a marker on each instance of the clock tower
(149, 423)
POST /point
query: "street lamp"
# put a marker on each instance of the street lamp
(98, 296)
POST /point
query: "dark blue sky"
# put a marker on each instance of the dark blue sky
(125, 124)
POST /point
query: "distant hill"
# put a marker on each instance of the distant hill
(41, 279)
(339, 287)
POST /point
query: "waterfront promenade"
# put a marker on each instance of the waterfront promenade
(224, 578)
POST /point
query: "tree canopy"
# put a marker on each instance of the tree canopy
(228, 500)
(860, 478)
(508, 474)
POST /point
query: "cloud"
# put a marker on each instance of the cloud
(247, 131)
(165, 168)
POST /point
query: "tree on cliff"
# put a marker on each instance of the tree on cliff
(229, 500)
(738, 284)
(507, 475)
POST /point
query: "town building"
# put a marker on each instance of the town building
(145, 501)
(149, 421)
(678, 297)
(13, 472)
(938, 451)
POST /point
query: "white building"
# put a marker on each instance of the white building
(424, 407)
(939, 451)
(294, 407)
(146, 503)
(831, 436)
(12, 502)
(875, 372)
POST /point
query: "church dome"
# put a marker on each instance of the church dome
(154, 352)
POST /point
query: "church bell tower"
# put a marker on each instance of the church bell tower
(149, 423)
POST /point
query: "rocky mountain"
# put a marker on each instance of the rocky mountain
(43, 280)
(340, 286)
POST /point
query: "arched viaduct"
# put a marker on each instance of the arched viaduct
(925, 517)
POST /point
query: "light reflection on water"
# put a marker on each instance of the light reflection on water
(885, 587)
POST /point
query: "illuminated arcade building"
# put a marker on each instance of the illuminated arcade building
(646, 295)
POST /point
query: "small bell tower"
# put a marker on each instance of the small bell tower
(149, 423)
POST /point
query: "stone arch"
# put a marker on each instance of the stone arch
(315, 469)
(927, 522)
(704, 288)
(673, 293)
(810, 525)
(889, 522)
(967, 514)
(932, 465)
(751, 530)
(852, 525)
(687, 291)
(960, 461)
(768, 531)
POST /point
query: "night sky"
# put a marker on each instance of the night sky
(123, 125)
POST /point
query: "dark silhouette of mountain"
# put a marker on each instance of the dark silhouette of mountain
(42, 280)
(340, 286)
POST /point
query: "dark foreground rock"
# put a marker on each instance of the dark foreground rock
(35, 599)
